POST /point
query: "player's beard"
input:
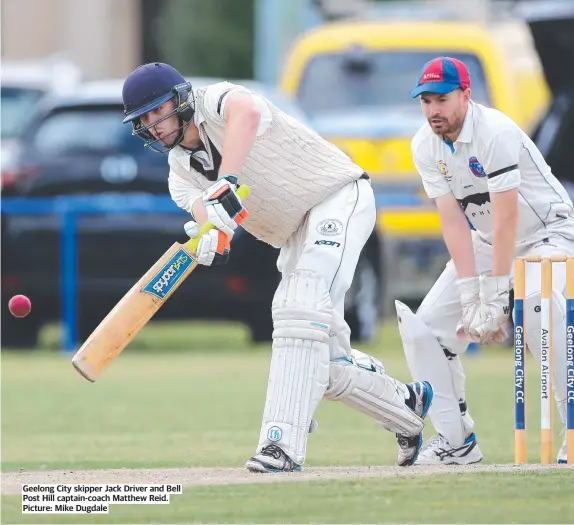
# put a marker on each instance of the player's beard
(447, 127)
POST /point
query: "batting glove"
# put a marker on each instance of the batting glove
(224, 208)
(213, 247)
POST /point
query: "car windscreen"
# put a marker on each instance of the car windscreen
(374, 79)
(17, 106)
(89, 130)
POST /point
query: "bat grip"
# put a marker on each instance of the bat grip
(243, 191)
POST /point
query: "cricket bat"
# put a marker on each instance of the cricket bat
(139, 305)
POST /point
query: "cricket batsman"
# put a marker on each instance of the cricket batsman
(497, 200)
(304, 190)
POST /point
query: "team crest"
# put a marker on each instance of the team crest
(444, 170)
(476, 167)
(330, 227)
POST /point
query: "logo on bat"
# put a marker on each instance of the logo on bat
(163, 281)
(476, 167)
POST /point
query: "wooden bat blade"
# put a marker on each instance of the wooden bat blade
(138, 306)
(133, 311)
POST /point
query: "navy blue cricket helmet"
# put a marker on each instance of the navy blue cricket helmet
(147, 88)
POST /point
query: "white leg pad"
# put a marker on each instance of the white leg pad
(375, 394)
(427, 361)
(533, 340)
(459, 386)
(299, 372)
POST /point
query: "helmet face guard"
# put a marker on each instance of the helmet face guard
(184, 110)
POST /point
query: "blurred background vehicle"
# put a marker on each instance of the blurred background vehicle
(23, 84)
(76, 144)
(552, 26)
(353, 79)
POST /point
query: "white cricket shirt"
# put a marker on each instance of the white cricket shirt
(214, 106)
(290, 168)
(492, 154)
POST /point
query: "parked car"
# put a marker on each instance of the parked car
(77, 145)
(23, 85)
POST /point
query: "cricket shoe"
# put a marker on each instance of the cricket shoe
(419, 402)
(563, 453)
(439, 451)
(272, 459)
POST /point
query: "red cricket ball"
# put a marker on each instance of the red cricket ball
(20, 306)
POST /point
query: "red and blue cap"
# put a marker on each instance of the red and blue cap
(442, 75)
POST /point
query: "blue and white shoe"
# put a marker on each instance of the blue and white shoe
(272, 458)
(420, 400)
(439, 451)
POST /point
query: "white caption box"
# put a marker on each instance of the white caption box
(92, 498)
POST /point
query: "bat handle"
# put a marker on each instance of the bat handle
(243, 191)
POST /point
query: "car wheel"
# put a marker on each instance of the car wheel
(362, 302)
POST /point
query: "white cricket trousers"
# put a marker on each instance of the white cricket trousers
(329, 242)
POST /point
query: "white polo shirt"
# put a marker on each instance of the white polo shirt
(492, 154)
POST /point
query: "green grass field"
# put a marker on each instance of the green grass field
(160, 406)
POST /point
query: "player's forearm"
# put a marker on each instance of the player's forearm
(240, 134)
(199, 212)
(457, 237)
(459, 243)
(505, 207)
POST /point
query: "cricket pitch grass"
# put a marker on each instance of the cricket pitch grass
(159, 415)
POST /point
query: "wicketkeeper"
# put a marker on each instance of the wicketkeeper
(304, 191)
(497, 200)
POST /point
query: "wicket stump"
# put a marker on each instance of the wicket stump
(546, 358)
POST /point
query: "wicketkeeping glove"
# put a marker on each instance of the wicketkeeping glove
(224, 208)
(213, 247)
(469, 292)
(490, 323)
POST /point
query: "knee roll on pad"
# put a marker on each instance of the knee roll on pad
(302, 307)
(299, 372)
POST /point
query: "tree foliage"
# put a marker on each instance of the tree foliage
(207, 37)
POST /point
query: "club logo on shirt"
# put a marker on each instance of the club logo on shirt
(444, 170)
(330, 227)
(476, 167)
